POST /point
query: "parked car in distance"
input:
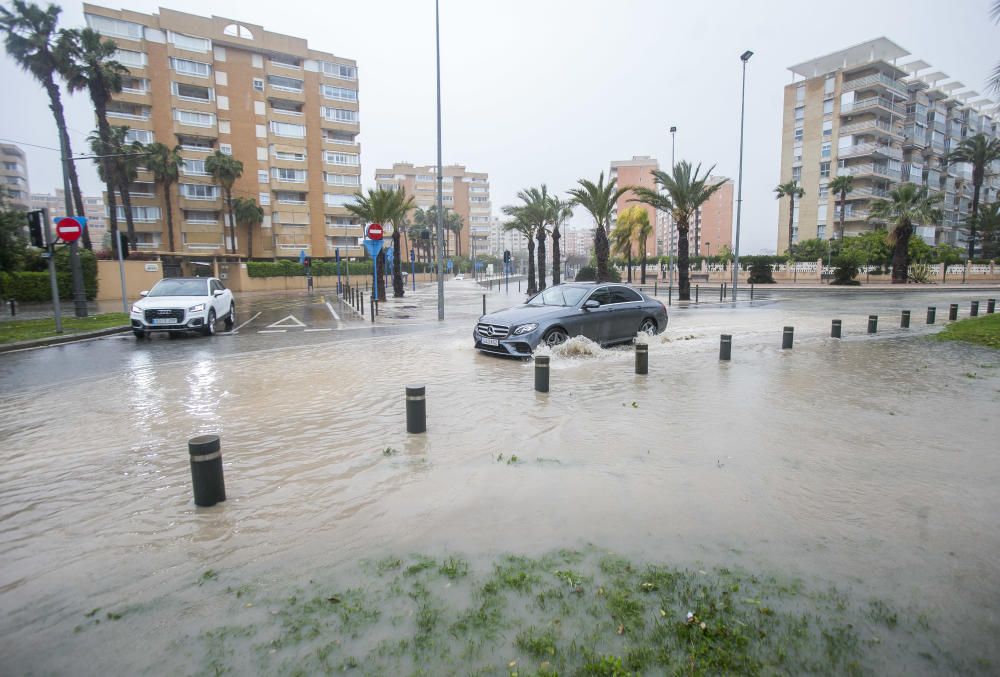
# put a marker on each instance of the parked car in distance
(460, 277)
(604, 313)
(179, 304)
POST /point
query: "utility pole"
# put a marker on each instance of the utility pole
(440, 178)
(670, 249)
(744, 57)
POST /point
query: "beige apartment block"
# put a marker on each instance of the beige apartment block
(466, 193)
(636, 172)
(14, 176)
(875, 112)
(288, 112)
(93, 207)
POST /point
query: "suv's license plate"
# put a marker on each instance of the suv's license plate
(163, 320)
(490, 342)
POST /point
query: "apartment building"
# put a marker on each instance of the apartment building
(577, 242)
(466, 193)
(93, 207)
(875, 112)
(288, 112)
(712, 226)
(636, 172)
(14, 175)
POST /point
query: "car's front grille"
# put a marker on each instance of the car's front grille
(176, 314)
(497, 331)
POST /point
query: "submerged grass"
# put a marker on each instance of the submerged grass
(567, 613)
(984, 331)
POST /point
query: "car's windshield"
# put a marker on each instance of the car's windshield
(180, 288)
(558, 296)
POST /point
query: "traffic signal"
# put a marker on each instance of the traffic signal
(307, 262)
(123, 244)
(506, 256)
(35, 219)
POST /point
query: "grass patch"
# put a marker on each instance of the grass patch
(27, 330)
(984, 331)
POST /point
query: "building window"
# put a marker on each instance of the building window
(194, 143)
(286, 61)
(335, 158)
(338, 93)
(800, 95)
(827, 129)
(288, 129)
(199, 191)
(238, 31)
(829, 84)
(290, 175)
(339, 70)
(114, 27)
(341, 179)
(796, 173)
(797, 153)
(200, 216)
(258, 84)
(226, 148)
(190, 43)
(129, 58)
(828, 107)
(821, 214)
(340, 114)
(264, 198)
(194, 118)
(140, 135)
(333, 136)
(800, 113)
(824, 191)
(195, 68)
(290, 197)
(194, 168)
(798, 133)
(825, 150)
(284, 84)
(134, 85)
(821, 232)
(192, 92)
(262, 176)
(292, 157)
(334, 200)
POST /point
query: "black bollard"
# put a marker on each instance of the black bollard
(786, 338)
(371, 308)
(974, 309)
(931, 313)
(872, 324)
(991, 306)
(542, 373)
(725, 347)
(953, 311)
(376, 307)
(835, 329)
(206, 470)
(751, 291)
(904, 319)
(484, 304)
(13, 308)
(641, 358)
(416, 409)
(696, 293)
(721, 292)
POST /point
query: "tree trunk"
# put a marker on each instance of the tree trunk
(113, 218)
(900, 253)
(55, 105)
(532, 288)
(843, 210)
(629, 260)
(601, 250)
(249, 240)
(683, 267)
(540, 236)
(170, 216)
(556, 263)
(232, 221)
(791, 216)
(129, 217)
(642, 253)
(972, 219)
(380, 275)
(398, 289)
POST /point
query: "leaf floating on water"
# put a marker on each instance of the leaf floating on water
(333, 600)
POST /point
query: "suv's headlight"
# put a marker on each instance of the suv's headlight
(197, 309)
(525, 328)
(137, 310)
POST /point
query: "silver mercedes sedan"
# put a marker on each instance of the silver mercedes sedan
(604, 313)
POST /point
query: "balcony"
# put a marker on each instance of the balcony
(876, 80)
(869, 168)
(877, 127)
(871, 148)
(872, 105)
(864, 193)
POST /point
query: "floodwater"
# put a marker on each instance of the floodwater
(869, 463)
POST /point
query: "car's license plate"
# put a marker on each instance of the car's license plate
(490, 342)
(164, 320)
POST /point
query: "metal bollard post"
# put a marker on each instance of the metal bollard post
(206, 470)
(751, 291)
(542, 373)
(484, 304)
(376, 307)
(696, 293)
(13, 308)
(835, 328)
(655, 288)
(991, 306)
(416, 409)
(904, 319)
(872, 324)
(641, 358)
(670, 294)
(786, 338)
(931, 313)
(725, 347)
(974, 309)
(953, 311)
(371, 308)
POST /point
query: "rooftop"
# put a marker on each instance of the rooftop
(879, 49)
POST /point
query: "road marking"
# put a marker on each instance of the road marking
(326, 329)
(271, 331)
(246, 323)
(332, 311)
(283, 323)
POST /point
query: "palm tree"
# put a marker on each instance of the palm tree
(980, 152)
(621, 238)
(31, 41)
(599, 199)
(251, 215)
(558, 211)
(642, 232)
(841, 186)
(225, 169)
(165, 165)
(124, 165)
(907, 203)
(385, 207)
(453, 223)
(987, 221)
(685, 192)
(526, 228)
(535, 209)
(791, 190)
(995, 77)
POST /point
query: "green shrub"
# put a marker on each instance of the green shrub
(34, 287)
(846, 268)
(589, 274)
(760, 272)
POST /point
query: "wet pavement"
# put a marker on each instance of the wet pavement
(868, 462)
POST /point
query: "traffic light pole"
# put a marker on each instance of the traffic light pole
(79, 294)
(53, 280)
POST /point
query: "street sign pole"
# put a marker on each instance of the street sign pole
(413, 272)
(337, 254)
(50, 252)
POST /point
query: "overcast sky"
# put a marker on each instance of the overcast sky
(552, 91)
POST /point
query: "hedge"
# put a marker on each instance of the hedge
(36, 288)
(287, 268)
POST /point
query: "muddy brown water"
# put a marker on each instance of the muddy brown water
(870, 463)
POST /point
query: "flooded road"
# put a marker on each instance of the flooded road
(869, 463)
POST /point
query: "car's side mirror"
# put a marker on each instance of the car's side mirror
(218, 292)
(591, 304)
(144, 293)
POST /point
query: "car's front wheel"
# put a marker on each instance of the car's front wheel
(209, 328)
(231, 318)
(648, 326)
(140, 334)
(555, 336)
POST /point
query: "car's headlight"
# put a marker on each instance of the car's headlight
(137, 310)
(525, 328)
(197, 309)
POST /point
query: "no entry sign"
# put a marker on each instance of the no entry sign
(70, 228)
(375, 231)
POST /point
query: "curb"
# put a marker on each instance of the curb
(57, 340)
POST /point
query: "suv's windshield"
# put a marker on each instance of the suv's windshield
(180, 288)
(558, 296)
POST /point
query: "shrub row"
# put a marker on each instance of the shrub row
(286, 268)
(32, 287)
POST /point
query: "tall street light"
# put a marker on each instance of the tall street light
(440, 178)
(744, 57)
(670, 248)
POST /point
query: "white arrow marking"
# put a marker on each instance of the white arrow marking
(283, 323)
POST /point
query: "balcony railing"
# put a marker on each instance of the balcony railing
(864, 193)
(869, 168)
(870, 103)
(875, 79)
(870, 148)
(870, 126)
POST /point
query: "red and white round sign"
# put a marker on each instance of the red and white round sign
(375, 231)
(69, 229)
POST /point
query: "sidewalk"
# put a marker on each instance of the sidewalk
(38, 311)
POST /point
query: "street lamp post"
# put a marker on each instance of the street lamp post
(440, 178)
(744, 57)
(670, 248)
(708, 249)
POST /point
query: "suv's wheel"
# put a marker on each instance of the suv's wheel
(648, 326)
(555, 337)
(139, 333)
(209, 328)
(231, 317)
